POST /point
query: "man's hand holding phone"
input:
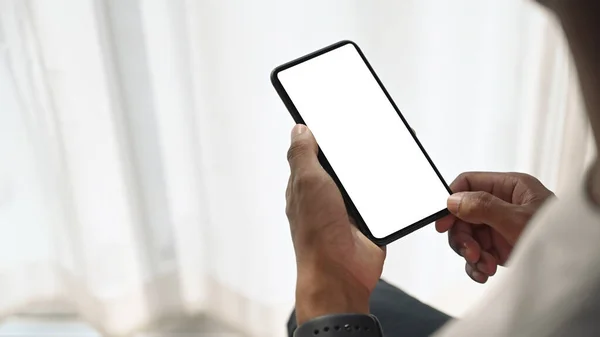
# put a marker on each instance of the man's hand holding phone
(338, 267)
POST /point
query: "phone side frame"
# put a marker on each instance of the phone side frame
(351, 208)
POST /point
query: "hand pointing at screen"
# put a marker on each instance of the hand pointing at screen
(489, 212)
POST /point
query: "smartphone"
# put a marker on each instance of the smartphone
(389, 184)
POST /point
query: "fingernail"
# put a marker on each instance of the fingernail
(298, 130)
(454, 202)
(482, 267)
(477, 275)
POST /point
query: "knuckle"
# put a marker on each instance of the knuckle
(476, 203)
(462, 182)
(533, 187)
(305, 181)
(297, 149)
(291, 211)
(461, 177)
(304, 185)
(484, 200)
(526, 178)
(529, 180)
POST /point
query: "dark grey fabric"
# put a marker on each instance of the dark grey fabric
(400, 314)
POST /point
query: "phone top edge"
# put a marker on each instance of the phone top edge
(309, 56)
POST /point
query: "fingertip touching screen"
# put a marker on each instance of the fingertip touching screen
(374, 155)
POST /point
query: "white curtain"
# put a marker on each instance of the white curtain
(142, 148)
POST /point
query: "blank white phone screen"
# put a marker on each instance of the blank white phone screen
(374, 155)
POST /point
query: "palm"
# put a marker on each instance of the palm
(343, 245)
(368, 258)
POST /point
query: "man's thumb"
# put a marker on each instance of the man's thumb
(484, 208)
(303, 150)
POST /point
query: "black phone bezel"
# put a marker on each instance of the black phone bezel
(351, 208)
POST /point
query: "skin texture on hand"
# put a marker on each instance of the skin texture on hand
(338, 267)
(489, 212)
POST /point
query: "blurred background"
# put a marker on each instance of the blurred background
(142, 149)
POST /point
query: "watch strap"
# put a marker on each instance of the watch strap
(341, 325)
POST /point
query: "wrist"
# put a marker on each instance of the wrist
(341, 325)
(320, 293)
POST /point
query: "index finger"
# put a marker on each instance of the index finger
(498, 184)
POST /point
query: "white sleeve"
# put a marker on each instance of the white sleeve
(552, 285)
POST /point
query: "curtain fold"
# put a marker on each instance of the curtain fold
(143, 148)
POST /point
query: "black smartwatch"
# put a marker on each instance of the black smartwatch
(338, 325)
